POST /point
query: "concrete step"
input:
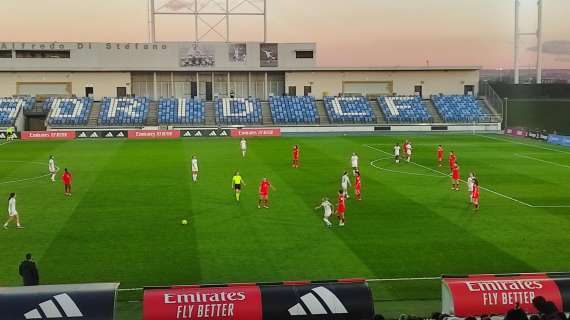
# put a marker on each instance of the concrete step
(266, 118)
(94, 115)
(433, 111)
(152, 118)
(209, 113)
(380, 119)
(323, 116)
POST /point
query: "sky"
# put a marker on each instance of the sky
(347, 32)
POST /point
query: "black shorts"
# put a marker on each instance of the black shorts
(237, 186)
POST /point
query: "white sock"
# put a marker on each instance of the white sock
(327, 221)
(243, 153)
(194, 177)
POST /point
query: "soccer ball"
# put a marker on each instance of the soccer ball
(184, 222)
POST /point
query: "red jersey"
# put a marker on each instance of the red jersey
(475, 192)
(264, 187)
(357, 182)
(340, 207)
(455, 173)
(405, 148)
(439, 153)
(452, 159)
(66, 178)
(296, 154)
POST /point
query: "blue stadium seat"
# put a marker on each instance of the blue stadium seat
(348, 110)
(238, 111)
(124, 111)
(404, 109)
(68, 111)
(293, 110)
(10, 108)
(458, 108)
(180, 111)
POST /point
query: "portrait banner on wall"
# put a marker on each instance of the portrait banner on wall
(268, 55)
(197, 56)
(237, 53)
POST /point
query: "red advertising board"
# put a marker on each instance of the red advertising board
(48, 135)
(153, 134)
(211, 303)
(491, 294)
(267, 132)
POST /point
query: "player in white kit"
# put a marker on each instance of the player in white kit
(194, 164)
(325, 204)
(470, 184)
(12, 212)
(397, 153)
(52, 168)
(354, 163)
(243, 146)
(409, 151)
(345, 183)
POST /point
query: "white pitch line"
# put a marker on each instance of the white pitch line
(545, 161)
(482, 188)
(372, 163)
(521, 143)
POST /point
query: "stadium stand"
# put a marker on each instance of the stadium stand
(458, 108)
(293, 110)
(348, 109)
(11, 107)
(68, 111)
(124, 111)
(238, 111)
(180, 111)
(404, 109)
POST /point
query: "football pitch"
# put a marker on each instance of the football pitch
(123, 222)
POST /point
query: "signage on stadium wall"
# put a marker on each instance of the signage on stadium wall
(153, 134)
(106, 134)
(205, 133)
(475, 295)
(559, 140)
(516, 132)
(3, 135)
(74, 301)
(328, 300)
(48, 135)
(271, 132)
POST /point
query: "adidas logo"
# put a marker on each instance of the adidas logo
(50, 309)
(120, 134)
(213, 134)
(315, 301)
(109, 135)
(2, 136)
(223, 133)
(94, 135)
(187, 134)
(82, 135)
(198, 134)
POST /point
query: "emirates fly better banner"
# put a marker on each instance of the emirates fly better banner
(315, 301)
(476, 295)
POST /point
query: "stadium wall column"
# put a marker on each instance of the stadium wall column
(154, 88)
(172, 93)
(228, 86)
(197, 84)
(249, 84)
(265, 86)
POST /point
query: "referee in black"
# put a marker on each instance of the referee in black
(29, 271)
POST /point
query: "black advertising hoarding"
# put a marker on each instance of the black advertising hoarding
(74, 301)
(105, 134)
(204, 133)
(330, 301)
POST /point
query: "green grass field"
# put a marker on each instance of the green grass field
(123, 221)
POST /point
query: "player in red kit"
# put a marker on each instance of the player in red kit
(357, 186)
(452, 160)
(340, 207)
(475, 195)
(455, 177)
(264, 193)
(66, 178)
(439, 155)
(296, 156)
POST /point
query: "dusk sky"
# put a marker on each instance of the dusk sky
(347, 32)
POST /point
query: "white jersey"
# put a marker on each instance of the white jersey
(51, 165)
(194, 165)
(345, 181)
(328, 208)
(354, 161)
(12, 206)
(470, 183)
(243, 144)
(396, 150)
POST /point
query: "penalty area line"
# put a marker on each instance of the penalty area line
(540, 160)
